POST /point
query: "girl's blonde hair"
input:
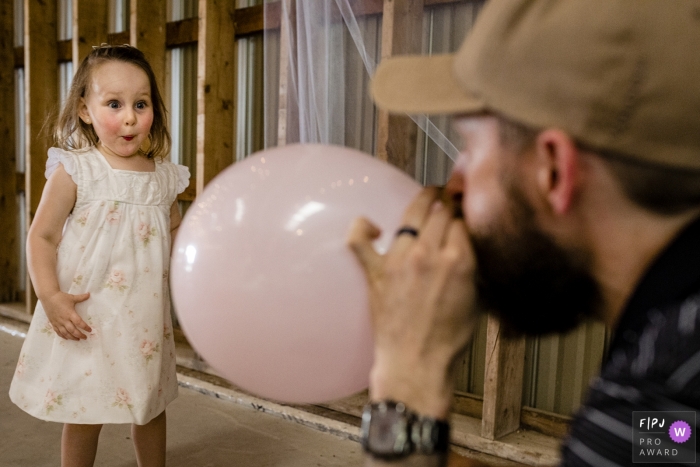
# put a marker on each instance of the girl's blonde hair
(72, 133)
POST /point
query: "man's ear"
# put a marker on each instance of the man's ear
(83, 112)
(557, 169)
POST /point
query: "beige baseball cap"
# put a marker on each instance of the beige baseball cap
(621, 75)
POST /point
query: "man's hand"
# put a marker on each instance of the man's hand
(60, 309)
(422, 299)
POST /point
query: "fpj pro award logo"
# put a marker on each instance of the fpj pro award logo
(664, 437)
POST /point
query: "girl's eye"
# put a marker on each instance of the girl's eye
(113, 104)
(141, 105)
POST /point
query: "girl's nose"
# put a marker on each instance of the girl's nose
(129, 117)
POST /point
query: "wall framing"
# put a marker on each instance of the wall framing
(500, 411)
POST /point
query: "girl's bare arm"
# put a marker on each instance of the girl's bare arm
(57, 201)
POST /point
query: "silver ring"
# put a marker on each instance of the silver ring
(408, 231)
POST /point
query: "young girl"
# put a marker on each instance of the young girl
(100, 346)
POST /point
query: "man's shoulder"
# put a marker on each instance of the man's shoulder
(664, 352)
(654, 367)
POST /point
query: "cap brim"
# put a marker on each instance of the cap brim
(421, 85)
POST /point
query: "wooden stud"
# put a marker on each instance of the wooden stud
(503, 382)
(147, 33)
(402, 26)
(41, 99)
(90, 19)
(287, 111)
(215, 89)
(9, 259)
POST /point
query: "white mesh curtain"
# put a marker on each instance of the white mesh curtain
(323, 46)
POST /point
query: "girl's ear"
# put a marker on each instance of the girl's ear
(83, 112)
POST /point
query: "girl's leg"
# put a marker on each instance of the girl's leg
(79, 445)
(149, 442)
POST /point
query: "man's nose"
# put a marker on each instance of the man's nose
(455, 184)
(454, 190)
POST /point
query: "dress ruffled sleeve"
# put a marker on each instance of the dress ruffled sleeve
(183, 177)
(59, 156)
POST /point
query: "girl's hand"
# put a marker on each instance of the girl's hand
(60, 309)
(422, 300)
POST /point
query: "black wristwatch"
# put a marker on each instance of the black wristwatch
(391, 431)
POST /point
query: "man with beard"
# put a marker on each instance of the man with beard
(579, 182)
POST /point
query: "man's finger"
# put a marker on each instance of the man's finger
(418, 210)
(362, 234)
(458, 238)
(435, 231)
(414, 217)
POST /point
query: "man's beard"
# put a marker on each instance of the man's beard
(532, 284)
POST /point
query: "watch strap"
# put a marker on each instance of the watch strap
(417, 434)
(430, 435)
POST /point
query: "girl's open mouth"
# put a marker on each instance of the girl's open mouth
(128, 138)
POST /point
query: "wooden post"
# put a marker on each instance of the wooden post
(288, 105)
(215, 89)
(147, 31)
(402, 26)
(9, 258)
(503, 382)
(90, 20)
(40, 98)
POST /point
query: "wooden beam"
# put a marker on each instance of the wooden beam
(147, 33)
(118, 38)
(19, 57)
(65, 51)
(9, 217)
(189, 194)
(402, 26)
(90, 21)
(251, 20)
(216, 90)
(179, 33)
(40, 98)
(19, 184)
(503, 382)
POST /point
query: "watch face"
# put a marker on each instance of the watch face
(387, 433)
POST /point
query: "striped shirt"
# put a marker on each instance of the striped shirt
(653, 363)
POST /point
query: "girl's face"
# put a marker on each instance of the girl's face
(118, 106)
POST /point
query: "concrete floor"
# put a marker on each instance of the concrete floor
(202, 432)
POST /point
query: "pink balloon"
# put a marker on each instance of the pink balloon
(264, 286)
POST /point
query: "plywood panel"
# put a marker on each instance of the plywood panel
(9, 240)
(215, 89)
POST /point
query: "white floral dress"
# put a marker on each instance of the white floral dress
(116, 245)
